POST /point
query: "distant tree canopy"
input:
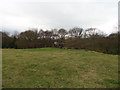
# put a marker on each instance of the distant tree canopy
(75, 38)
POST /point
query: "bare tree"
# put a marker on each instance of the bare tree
(93, 33)
(41, 34)
(62, 32)
(55, 34)
(76, 32)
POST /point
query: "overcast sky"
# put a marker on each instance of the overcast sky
(47, 14)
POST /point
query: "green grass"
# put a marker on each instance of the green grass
(58, 68)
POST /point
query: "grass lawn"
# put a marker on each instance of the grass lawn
(58, 68)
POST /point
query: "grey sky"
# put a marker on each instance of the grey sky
(48, 14)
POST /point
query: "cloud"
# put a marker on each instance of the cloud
(22, 14)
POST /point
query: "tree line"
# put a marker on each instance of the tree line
(75, 38)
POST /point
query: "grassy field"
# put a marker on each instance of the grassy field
(58, 68)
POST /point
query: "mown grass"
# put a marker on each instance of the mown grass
(58, 68)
